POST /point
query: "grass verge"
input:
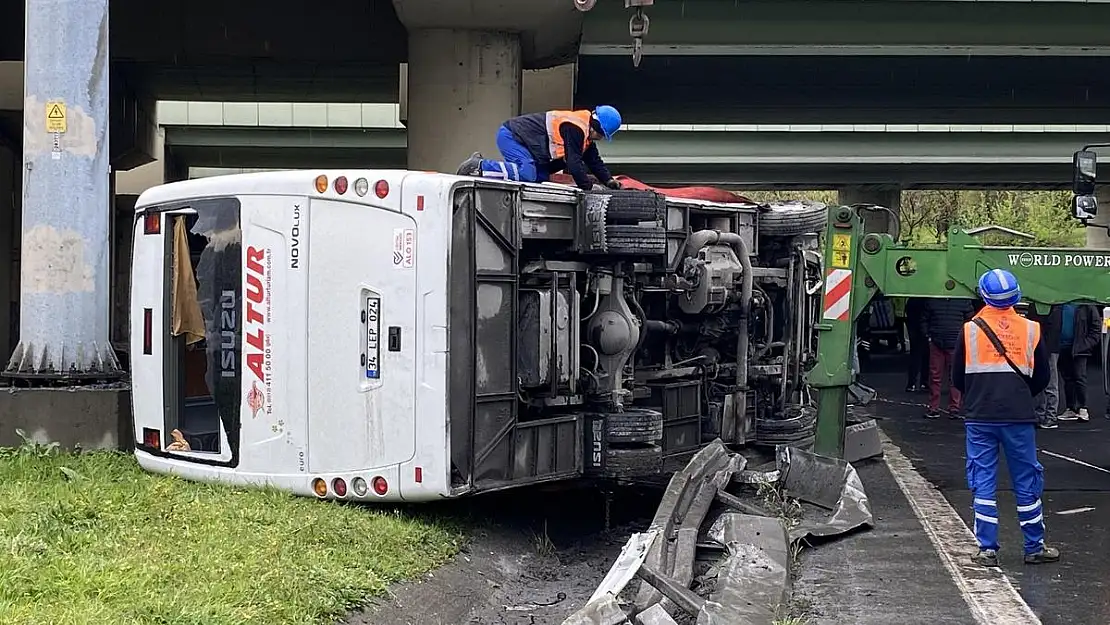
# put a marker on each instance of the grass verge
(91, 538)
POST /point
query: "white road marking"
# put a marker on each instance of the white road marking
(1075, 460)
(989, 594)
(1075, 510)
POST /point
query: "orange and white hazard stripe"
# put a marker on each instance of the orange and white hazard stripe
(838, 291)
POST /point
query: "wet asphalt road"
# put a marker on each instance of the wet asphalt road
(1074, 591)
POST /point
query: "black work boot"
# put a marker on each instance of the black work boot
(471, 166)
(986, 557)
(1044, 556)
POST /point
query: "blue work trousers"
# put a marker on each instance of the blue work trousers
(519, 164)
(1018, 442)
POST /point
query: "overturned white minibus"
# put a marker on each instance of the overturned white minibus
(410, 336)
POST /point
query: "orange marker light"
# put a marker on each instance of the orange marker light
(320, 487)
(321, 183)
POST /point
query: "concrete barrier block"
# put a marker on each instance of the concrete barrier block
(89, 417)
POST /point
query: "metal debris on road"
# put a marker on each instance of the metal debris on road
(749, 579)
(1076, 510)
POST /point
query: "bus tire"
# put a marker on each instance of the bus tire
(787, 219)
(631, 462)
(634, 425)
(635, 240)
(632, 206)
(797, 426)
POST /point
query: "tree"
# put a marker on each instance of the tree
(926, 216)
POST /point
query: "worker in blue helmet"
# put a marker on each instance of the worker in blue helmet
(537, 145)
(1000, 364)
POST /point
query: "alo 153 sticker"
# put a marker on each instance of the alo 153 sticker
(404, 247)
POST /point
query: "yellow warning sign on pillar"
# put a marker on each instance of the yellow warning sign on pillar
(56, 116)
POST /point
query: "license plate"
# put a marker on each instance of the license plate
(373, 335)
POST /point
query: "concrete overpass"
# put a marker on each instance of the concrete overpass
(907, 156)
(763, 62)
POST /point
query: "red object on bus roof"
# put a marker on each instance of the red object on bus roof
(708, 194)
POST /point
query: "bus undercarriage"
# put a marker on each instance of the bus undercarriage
(638, 329)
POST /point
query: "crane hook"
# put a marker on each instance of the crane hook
(638, 26)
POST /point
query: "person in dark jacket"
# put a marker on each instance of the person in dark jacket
(1047, 403)
(537, 145)
(944, 318)
(918, 374)
(1080, 333)
(999, 387)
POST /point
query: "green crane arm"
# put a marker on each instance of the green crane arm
(859, 265)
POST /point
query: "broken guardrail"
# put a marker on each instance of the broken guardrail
(751, 582)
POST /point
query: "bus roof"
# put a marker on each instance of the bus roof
(292, 182)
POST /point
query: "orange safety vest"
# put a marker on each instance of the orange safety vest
(1016, 333)
(555, 119)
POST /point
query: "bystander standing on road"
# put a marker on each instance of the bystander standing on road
(918, 368)
(1047, 403)
(944, 320)
(1080, 333)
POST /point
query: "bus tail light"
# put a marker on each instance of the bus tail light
(341, 185)
(152, 438)
(339, 487)
(381, 189)
(321, 183)
(359, 485)
(148, 331)
(381, 487)
(152, 223)
(419, 475)
(320, 487)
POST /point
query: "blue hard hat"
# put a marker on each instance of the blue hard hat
(610, 120)
(999, 288)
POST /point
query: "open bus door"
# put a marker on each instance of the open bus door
(188, 259)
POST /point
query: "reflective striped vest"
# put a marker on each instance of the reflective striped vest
(555, 119)
(1016, 333)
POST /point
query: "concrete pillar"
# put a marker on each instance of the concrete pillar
(9, 177)
(1097, 238)
(548, 89)
(462, 84)
(63, 329)
(874, 221)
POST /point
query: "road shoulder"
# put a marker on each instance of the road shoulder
(889, 574)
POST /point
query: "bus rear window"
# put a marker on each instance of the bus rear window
(202, 325)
